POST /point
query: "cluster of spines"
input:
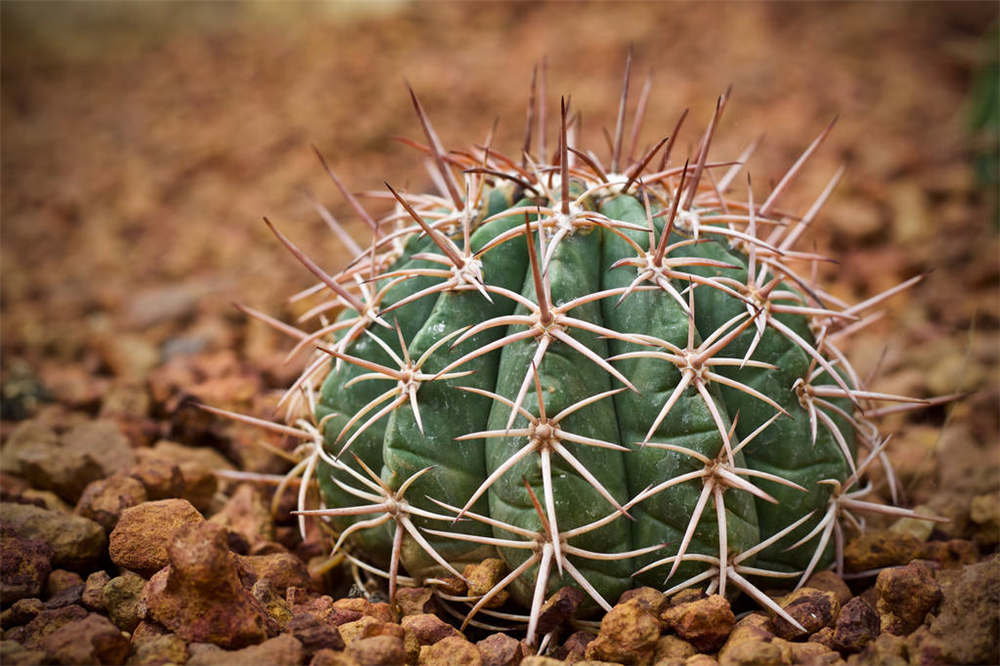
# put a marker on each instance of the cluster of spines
(685, 196)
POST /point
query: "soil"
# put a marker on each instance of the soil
(142, 143)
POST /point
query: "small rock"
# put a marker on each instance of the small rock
(314, 634)
(93, 590)
(825, 636)
(501, 650)
(45, 499)
(752, 651)
(13, 653)
(281, 570)
(331, 658)
(367, 627)
(880, 548)
(811, 608)
(575, 647)
(284, 650)
(536, 660)
(140, 539)
(906, 594)
(273, 602)
(704, 623)
(856, 627)
(886, 650)
(123, 600)
(672, 647)
(92, 639)
(809, 652)
(60, 579)
(451, 651)
(48, 621)
(65, 597)
(21, 612)
(559, 608)
(830, 582)
(24, 567)
(76, 542)
(414, 600)
(246, 512)
(377, 651)
(483, 577)
(159, 651)
(197, 465)
(378, 610)
(628, 634)
(428, 628)
(650, 597)
(200, 596)
(700, 660)
(968, 620)
(104, 500)
(952, 553)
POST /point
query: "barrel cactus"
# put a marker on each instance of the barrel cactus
(605, 374)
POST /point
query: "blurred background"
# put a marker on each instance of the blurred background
(142, 143)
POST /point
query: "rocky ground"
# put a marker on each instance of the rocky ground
(141, 144)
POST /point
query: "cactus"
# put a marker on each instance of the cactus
(606, 375)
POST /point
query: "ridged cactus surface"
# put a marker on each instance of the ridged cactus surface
(605, 374)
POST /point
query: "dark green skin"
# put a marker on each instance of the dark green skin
(446, 412)
(581, 265)
(785, 447)
(664, 517)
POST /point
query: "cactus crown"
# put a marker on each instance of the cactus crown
(604, 374)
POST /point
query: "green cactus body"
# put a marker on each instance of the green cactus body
(613, 381)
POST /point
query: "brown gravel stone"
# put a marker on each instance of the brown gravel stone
(314, 634)
(559, 608)
(810, 653)
(65, 597)
(830, 582)
(76, 542)
(812, 608)
(281, 570)
(428, 628)
(24, 567)
(483, 576)
(704, 623)
(752, 652)
(283, 650)
(650, 597)
(247, 512)
(886, 650)
(575, 647)
(825, 635)
(880, 548)
(700, 660)
(856, 626)
(273, 602)
(197, 466)
(451, 651)
(672, 647)
(60, 579)
(367, 627)
(160, 477)
(628, 634)
(140, 539)
(906, 594)
(104, 500)
(93, 590)
(200, 596)
(159, 651)
(65, 464)
(89, 640)
(501, 650)
(414, 600)
(952, 553)
(377, 651)
(13, 653)
(332, 658)
(21, 612)
(536, 660)
(379, 610)
(123, 600)
(968, 621)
